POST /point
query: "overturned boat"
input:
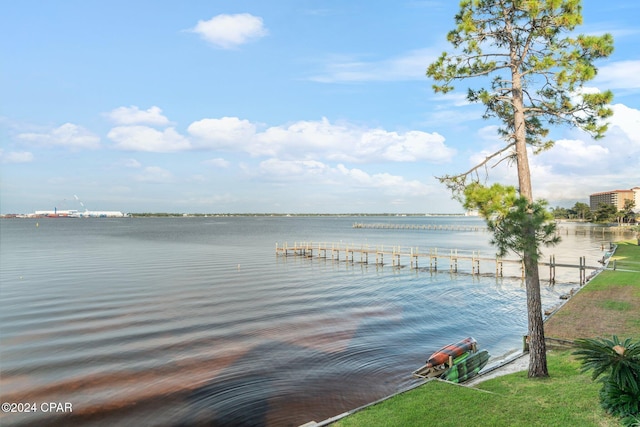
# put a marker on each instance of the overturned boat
(456, 362)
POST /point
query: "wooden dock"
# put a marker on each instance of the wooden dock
(561, 230)
(398, 256)
(434, 227)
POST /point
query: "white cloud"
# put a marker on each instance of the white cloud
(143, 138)
(390, 184)
(133, 116)
(577, 167)
(626, 120)
(217, 162)
(406, 147)
(318, 173)
(302, 140)
(576, 153)
(346, 142)
(230, 31)
(68, 135)
(155, 174)
(222, 133)
(16, 156)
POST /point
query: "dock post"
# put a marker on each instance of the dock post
(453, 261)
(435, 260)
(475, 263)
(432, 261)
(411, 257)
(552, 269)
(455, 270)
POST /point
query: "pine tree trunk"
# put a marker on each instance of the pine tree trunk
(537, 347)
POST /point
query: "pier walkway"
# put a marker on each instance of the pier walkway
(434, 227)
(561, 230)
(398, 256)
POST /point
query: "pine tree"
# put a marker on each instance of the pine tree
(535, 72)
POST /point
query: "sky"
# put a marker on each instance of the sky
(286, 106)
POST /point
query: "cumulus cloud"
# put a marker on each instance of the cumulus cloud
(388, 183)
(222, 133)
(319, 173)
(576, 153)
(627, 120)
(321, 139)
(577, 167)
(346, 142)
(133, 115)
(302, 140)
(67, 136)
(16, 156)
(230, 31)
(144, 138)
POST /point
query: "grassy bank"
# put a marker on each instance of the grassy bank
(567, 398)
(607, 305)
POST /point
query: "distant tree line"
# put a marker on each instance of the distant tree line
(604, 213)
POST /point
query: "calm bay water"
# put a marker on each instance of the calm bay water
(196, 321)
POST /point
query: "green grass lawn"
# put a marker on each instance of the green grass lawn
(627, 256)
(567, 398)
(611, 300)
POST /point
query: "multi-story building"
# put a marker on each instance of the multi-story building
(616, 198)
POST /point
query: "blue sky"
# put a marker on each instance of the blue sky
(285, 106)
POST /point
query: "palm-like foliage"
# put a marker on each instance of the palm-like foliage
(619, 364)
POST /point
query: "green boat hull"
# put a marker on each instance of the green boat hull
(466, 368)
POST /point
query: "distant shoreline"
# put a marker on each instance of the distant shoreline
(267, 214)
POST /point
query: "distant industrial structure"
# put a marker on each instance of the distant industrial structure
(73, 213)
(616, 198)
(79, 214)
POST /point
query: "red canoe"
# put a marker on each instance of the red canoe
(452, 350)
(439, 361)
